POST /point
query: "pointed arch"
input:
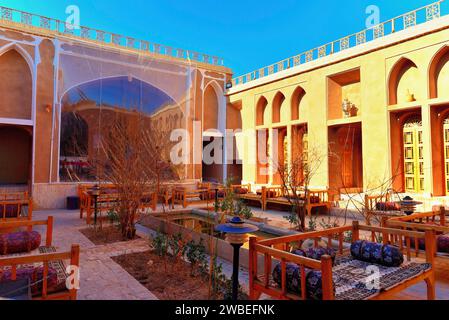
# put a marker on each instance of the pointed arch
(25, 55)
(260, 110)
(17, 92)
(402, 75)
(439, 72)
(278, 100)
(295, 102)
(212, 106)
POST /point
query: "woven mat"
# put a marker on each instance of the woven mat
(353, 281)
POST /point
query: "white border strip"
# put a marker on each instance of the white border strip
(18, 122)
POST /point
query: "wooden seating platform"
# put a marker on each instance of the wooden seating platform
(47, 258)
(408, 275)
(16, 206)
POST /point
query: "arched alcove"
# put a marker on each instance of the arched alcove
(278, 100)
(15, 86)
(439, 74)
(90, 111)
(261, 110)
(211, 108)
(403, 82)
(297, 98)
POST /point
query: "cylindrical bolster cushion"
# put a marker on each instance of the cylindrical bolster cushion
(313, 280)
(442, 244)
(211, 195)
(314, 286)
(240, 190)
(35, 275)
(388, 206)
(316, 253)
(384, 255)
(19, 242)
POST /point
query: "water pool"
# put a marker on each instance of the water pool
(206, 225)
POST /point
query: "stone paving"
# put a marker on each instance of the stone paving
(100, 277)
(103, 279)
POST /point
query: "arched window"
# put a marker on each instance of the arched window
(92, 109)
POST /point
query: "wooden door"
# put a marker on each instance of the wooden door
(446, 153)
(413, 157)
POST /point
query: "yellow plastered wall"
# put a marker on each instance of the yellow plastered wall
(371, 96)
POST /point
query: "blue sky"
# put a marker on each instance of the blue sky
(248, 34)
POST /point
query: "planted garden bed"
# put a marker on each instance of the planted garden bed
(167, 281)
(176, 269)
(105, 235)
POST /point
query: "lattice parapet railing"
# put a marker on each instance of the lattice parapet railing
(405, 21)
(9, 16)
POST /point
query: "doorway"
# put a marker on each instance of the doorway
(413, 155)
(15, 155)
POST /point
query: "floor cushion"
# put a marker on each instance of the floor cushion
(35, 274)
(442, 244)
(210, 195)
(388, 206)
(377, 253)
(269, 194)
(315, 199)
(240, 190)
(19, 242)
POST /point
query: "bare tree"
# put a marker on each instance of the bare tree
(295, 180)
(132, 158)
(381, 190)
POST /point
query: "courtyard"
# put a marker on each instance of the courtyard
(133, 170)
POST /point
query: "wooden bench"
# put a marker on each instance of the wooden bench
(435, 221)
(83, 194)
(46, 259)
(266, 252)
(317, 199)
(371, 211)
(165, 194)
(253, 196)
(109, 202)
(275, 195)
(14, 225)
(12, 206)
(105, 203)
(149, 201)
(184, 196)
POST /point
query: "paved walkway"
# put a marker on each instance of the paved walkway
(103, 279)
(100, 277)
